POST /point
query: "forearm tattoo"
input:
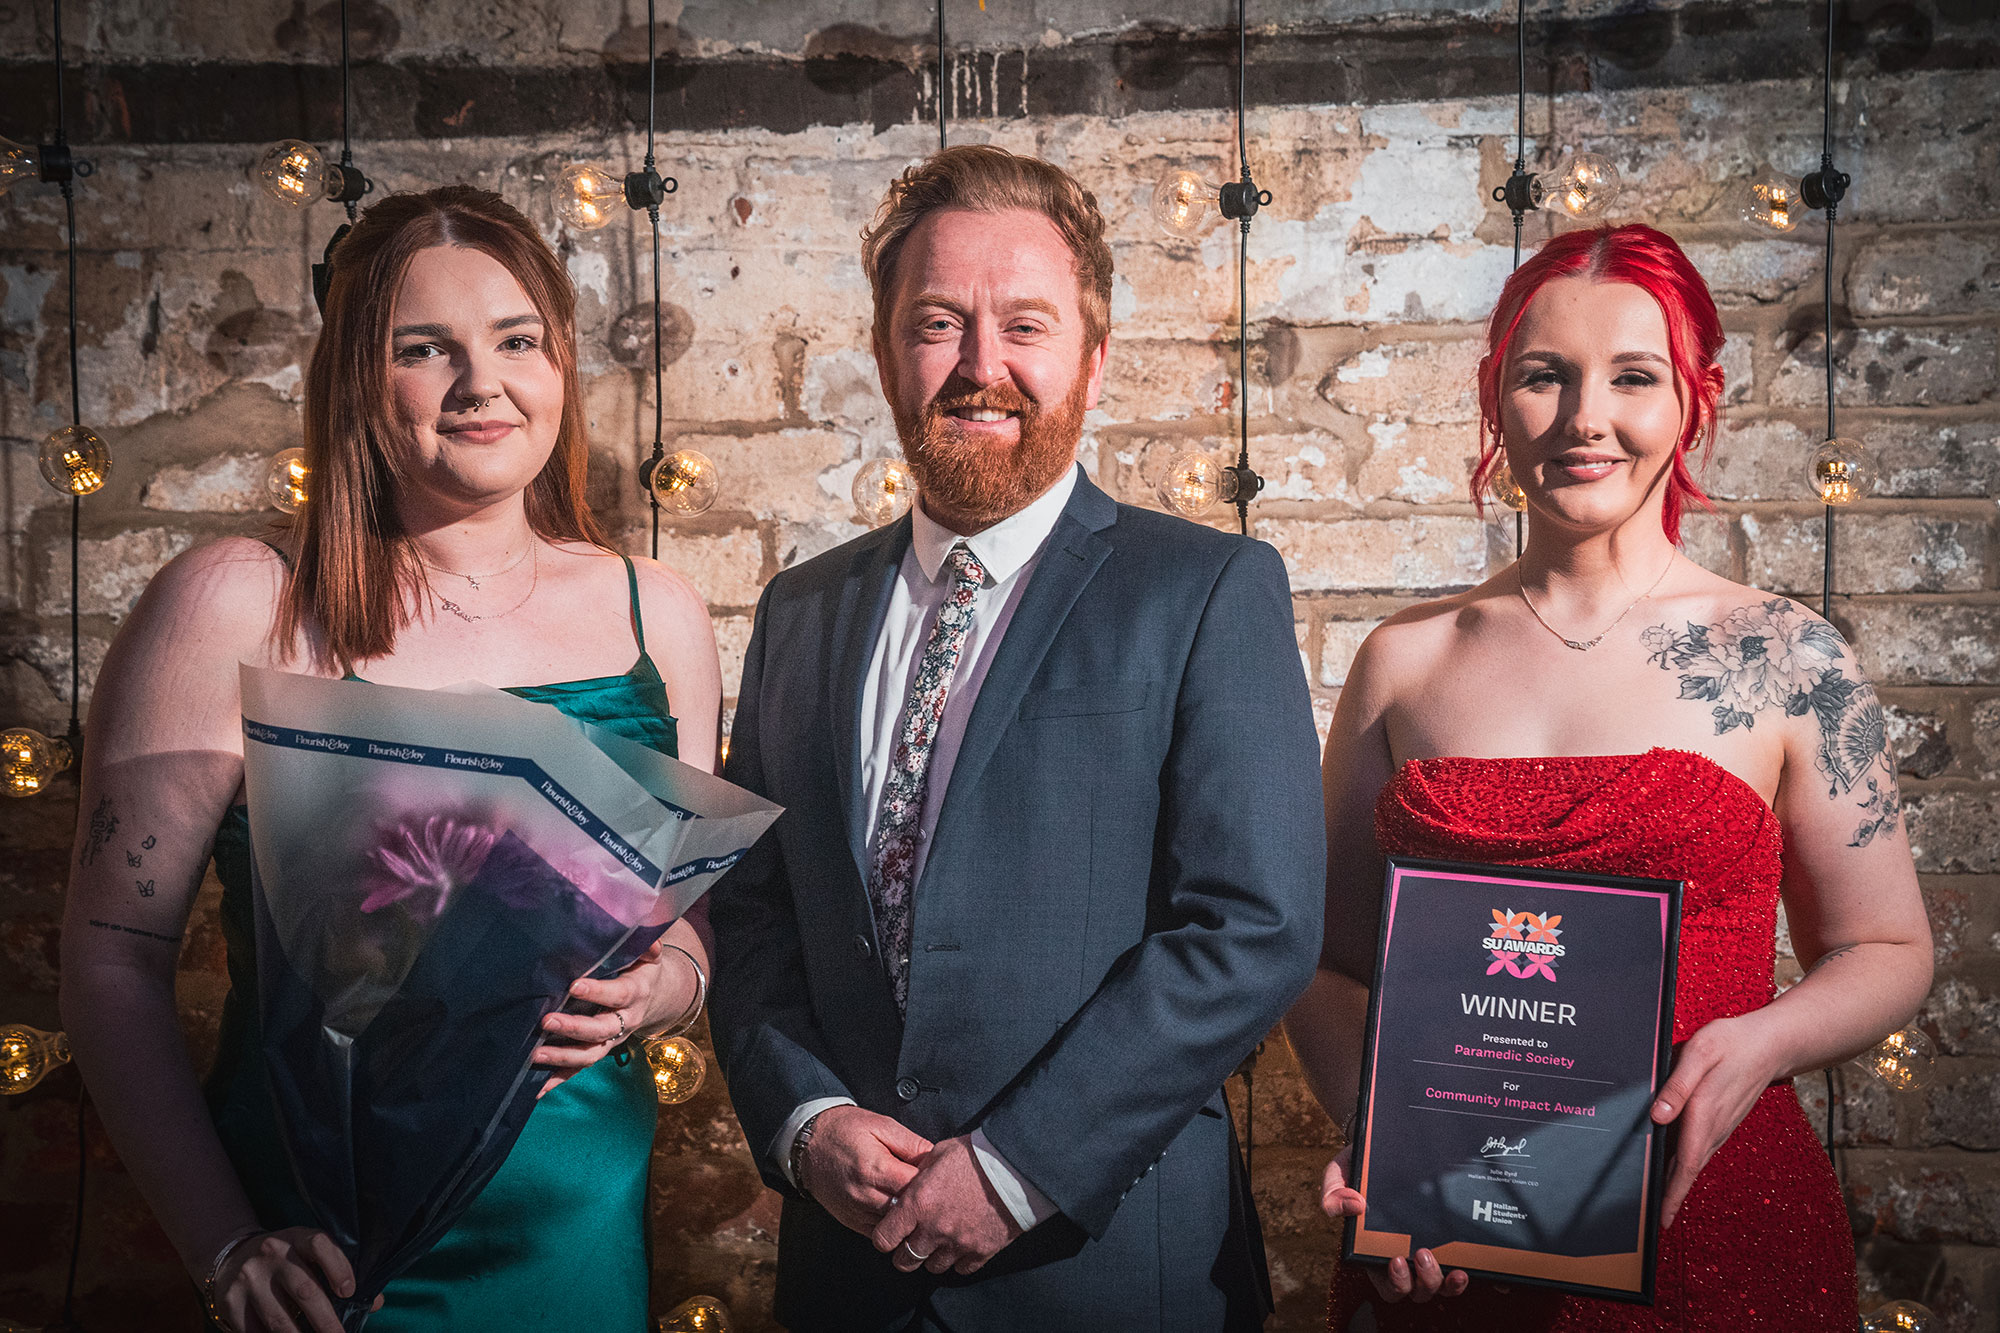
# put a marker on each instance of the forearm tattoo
(1775, 655)
(103, 823)
(134, 930)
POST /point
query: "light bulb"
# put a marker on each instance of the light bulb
(1900, 1317)
(589, 195)
(1502, 487)
(29, 759)
(884, 489)
(1185, 204)
(286, 481)
(696, 1314)
(75, 461)
(18, 162)
(677, 1068)
(27, 1055)
(1841, 472)
(686, 482)
(1583, 186)
(1771, 202)
(1905, 1060)
(292, 172)
(1195, 483)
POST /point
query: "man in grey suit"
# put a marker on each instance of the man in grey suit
(1052, 860)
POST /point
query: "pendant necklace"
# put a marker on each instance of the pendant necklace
(1586, 645)
(459, 611)
(473, 579)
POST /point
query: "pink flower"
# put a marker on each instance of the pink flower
(427, 862)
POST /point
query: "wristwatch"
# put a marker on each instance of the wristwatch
(797, 1160)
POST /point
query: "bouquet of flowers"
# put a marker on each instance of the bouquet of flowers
(433, 871)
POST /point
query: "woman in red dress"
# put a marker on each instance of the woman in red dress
(1606, 704)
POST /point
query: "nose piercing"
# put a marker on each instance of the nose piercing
(474, 404)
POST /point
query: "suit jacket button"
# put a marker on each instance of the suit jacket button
(907, 1089)
(861, 946)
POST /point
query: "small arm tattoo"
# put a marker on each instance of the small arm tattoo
(145, 887)
(1775, 656)
(1830, 955)
(134, 930)
(103, 823)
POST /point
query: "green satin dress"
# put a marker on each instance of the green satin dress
(557, 1241)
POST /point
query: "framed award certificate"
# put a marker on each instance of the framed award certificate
(1519, 1030)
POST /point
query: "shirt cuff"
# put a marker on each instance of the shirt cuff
(781, 1147)
(1028, 1205)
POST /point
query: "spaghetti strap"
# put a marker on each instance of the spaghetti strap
(279, 551)
(638, 623)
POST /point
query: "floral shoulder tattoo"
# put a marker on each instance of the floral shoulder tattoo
(1775, 655)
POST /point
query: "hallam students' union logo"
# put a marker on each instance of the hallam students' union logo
(1523, 944)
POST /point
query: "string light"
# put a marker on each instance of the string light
(285, 480)
(292, 172)
(1900, 1317)
(1905, 1060)
(27, 1055)
(884, 490)
(1195, 483)
(678, 1068)
(28, 759)
(589, 196)
(1771, 202)
(696, 1314)
(1185, 205)
(1841, 472)
(75, 460)
(685, 483)
(18, 162)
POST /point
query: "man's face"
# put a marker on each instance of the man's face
(982, 357)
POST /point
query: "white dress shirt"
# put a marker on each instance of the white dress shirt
(1009, 550)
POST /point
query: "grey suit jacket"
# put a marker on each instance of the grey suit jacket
(1123, 894)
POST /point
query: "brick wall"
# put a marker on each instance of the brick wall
(1368, 277)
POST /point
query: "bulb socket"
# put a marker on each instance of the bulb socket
(1240, 200)
(345, 184)
(1824, 188)
(1522, 193)
(648, 188)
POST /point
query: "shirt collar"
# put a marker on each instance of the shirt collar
(1003, 548)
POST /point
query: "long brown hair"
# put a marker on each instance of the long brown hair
(356, 577)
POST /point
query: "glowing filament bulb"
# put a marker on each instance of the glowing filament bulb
(29, 759)
(1900, 1317)
(1195, 483)
(75, 461)
(1502, 487)
(589, 195)
(1771, 202)
(884, 489)
(285, 483)
(1185, 204)
(1583, 186)
(1905, 1060)
(677, 1068)
(696, 1314)
(18, 162)
(292, 172)
(27, 1055)
(686, 482)
(1841, 472)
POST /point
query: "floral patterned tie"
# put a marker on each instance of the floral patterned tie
(897, 826)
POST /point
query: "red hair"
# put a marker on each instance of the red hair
(1651, 261)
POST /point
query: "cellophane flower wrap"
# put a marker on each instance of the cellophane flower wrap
(433, 871)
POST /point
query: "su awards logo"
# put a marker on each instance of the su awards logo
(1523, 944)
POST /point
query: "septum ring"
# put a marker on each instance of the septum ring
(474, 404)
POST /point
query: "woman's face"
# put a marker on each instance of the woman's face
(1589, 411)
(474, 388)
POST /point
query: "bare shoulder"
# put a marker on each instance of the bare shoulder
(670, 597)
(1407, 643)
(225, 592)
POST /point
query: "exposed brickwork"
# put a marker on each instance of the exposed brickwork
(1368, 278)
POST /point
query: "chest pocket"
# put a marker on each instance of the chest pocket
(1115, 696)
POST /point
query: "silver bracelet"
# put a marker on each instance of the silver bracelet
(686, 1020)
(229, 1246)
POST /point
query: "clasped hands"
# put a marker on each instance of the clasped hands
(925, 1205)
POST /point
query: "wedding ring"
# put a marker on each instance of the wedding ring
(920, 1258)
(621, 1024)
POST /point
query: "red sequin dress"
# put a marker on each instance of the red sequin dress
(1763, 1239)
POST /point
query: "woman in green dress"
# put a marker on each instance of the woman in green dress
(446, 538)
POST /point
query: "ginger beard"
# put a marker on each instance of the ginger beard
(982, 483)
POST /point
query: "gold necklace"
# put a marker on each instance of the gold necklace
(469, 618)
(473, 579)
(1521, 586)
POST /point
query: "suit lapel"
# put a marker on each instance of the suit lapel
(857, 624)
(1072, 557)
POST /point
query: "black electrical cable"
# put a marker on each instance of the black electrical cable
(940, 73)
(653, 216)
(1520, 166)
(346, 100)
(1242, 278)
